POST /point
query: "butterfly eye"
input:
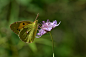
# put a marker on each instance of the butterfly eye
(23, 23)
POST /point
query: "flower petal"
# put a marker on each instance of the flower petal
(47, 26)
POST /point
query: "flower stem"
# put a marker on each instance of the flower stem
(52, 43)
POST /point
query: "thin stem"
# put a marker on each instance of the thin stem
(52, 43)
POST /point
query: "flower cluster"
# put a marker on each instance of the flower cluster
(47, 26)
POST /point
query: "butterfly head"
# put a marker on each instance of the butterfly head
(36, 21)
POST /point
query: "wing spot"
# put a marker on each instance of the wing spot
(18, 29)
(27, 32)
(23, 23)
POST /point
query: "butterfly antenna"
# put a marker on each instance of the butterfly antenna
(37, 16)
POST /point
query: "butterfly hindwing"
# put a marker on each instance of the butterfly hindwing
(27, 34)
(24, 33)
(17, 26)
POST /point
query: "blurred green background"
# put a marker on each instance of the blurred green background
(69, 36)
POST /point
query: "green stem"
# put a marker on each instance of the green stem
(52, 43)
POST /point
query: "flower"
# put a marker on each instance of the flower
(47, 26)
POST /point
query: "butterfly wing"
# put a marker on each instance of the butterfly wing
(16, 27)
(28, 33)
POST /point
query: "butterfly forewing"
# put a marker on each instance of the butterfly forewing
(17, 26)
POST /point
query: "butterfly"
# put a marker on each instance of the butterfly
(26, 30)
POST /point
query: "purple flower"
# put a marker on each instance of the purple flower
(47, 26)
(41, 32)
